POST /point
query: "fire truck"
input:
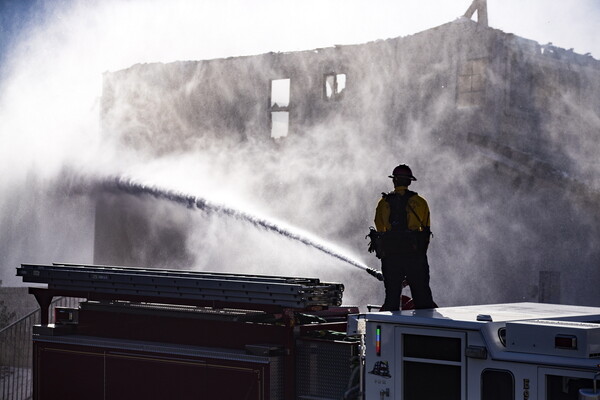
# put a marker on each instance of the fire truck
(141, 333)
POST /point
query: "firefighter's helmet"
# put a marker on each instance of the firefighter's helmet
(403, 171)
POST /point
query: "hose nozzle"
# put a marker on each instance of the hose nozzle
(373, 272)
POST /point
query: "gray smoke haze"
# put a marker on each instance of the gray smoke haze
(325, 181)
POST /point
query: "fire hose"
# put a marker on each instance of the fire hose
(376, 273)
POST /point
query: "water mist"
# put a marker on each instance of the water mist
(136, 188)
(327, 182)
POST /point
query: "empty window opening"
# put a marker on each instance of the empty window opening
(279, 109)
(329, 85)
(280, 93)
(340, 80)
(280, 123)
(334, 85)
(471, 83)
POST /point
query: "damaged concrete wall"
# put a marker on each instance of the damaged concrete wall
(502, 86)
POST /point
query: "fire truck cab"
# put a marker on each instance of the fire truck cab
(484, 352)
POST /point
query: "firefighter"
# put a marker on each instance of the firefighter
(403, 225)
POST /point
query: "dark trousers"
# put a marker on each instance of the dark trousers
(415, 269)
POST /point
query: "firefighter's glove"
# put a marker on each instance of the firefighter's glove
(375, 242)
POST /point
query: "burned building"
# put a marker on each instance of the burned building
(519, 118)
(490, 83)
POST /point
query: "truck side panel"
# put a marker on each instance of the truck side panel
(69, 371)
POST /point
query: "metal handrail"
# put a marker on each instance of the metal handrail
(16, 353)
(20, 320)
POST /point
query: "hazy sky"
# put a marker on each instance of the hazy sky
(124, 32)
(53, 52)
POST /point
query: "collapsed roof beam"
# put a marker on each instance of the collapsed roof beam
(481, 7)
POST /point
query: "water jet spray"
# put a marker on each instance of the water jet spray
(136, 188)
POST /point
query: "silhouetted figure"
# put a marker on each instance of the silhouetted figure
(403, 221)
